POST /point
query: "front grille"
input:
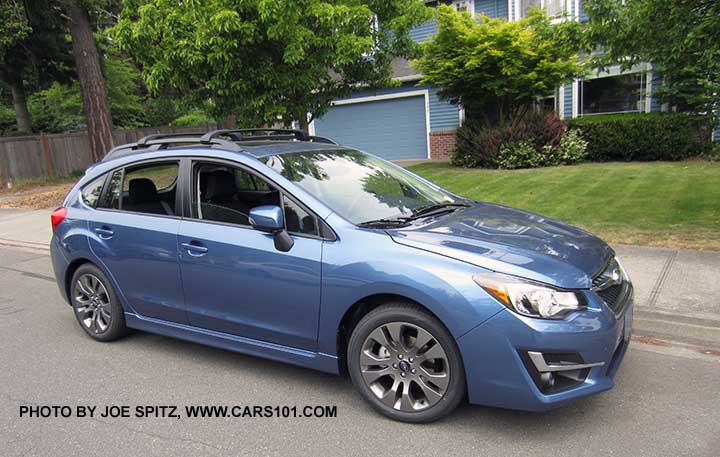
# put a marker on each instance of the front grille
(612, 288)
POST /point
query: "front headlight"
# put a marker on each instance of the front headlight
(529, 298)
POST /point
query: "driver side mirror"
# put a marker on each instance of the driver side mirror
(269, 219)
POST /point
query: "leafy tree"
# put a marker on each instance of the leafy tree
(681, 38)
(14, 30)
(32, 51)
(496, 69)
(59, 108)
(124, 91)
(260, 59)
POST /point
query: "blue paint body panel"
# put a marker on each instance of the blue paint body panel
(244, 286)
(244, 295)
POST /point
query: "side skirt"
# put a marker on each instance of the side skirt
(277, 352)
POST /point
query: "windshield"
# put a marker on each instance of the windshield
(357, 186)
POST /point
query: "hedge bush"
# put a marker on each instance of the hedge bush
(571, 149)
(479, 146)
(645, 137)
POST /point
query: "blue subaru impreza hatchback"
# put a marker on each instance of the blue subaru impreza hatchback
(292, 247)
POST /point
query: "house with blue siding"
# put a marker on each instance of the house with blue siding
(411, 122)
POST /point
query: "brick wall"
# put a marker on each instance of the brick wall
(442, 144)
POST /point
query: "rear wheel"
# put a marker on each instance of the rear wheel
(405, 364)
(96, 306)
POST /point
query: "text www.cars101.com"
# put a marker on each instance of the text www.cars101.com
(175, 412)
(261, 411)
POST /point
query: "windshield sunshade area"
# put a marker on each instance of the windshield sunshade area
(358, 186)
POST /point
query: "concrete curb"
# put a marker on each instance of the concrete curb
(688, 329)
(26, 246)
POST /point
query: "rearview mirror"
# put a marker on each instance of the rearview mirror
(270, 219)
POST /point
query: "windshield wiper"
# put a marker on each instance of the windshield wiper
(435, 209)
(394, 222)
(424, 211)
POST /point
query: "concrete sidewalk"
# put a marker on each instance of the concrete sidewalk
(677, 291)
(29, 229)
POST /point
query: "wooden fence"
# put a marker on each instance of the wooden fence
(26, 157)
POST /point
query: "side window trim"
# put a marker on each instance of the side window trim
(254, 173)
(106, 189)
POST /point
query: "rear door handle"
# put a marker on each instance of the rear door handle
(195, 249)
(104, 232)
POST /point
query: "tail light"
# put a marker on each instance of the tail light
(57, 217)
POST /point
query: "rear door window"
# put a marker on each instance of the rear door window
(148, 188)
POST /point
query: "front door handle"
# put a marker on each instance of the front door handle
(195, 249)
(104, 232)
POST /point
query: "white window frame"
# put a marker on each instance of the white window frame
(470, 5)
(515, 10)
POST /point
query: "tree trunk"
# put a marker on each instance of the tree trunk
(92, 83)
(304, 124)
(22, 115)
(228, 122)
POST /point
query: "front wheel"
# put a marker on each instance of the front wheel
(405, 364)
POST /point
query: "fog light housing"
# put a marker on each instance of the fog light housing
(554, 372)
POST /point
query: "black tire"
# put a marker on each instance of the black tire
(106, 304)
(398, 315)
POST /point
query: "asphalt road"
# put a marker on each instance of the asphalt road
(666, 401)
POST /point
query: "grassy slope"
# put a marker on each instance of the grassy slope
(657, 203)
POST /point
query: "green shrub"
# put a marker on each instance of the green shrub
(645, 137)
(713, 153)
(192, 118)
(7, 119)
(518, 154)
(572, 149)
(479, 146)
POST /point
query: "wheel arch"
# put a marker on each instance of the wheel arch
(70, 272)
(358, 310)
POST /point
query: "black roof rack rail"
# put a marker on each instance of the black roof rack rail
(299, 135)
(160, 136)
(322, 139)
(163, 141)
(237, 135)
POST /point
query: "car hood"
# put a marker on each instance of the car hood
(512, 241)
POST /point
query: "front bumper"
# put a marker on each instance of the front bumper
(495, 355)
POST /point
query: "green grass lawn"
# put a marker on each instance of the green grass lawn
(672, 204)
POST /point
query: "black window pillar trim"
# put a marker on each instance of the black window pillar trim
(185, 182)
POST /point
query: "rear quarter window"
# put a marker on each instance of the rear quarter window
(91, 192)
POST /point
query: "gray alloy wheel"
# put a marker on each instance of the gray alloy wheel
(404, 366)
(96, 306)
(92, 303)
(405, 363)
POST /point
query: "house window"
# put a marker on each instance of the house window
(553, 7)
(463, 6)
(547, 104)
(613, 94)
